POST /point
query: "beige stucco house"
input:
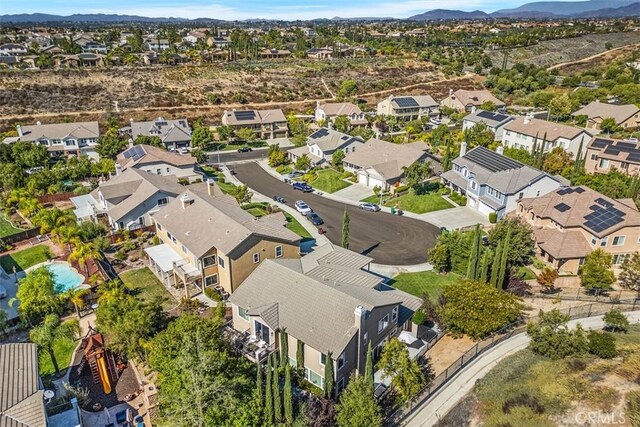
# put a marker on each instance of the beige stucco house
(159, 161)
(604, 155)
(267, 124)
(465, 100)
(626, 116)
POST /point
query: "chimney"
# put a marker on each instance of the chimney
(186, 200)
(473, 109)
(527, 119)
(38, 123)
(500, 150)
(450, 92)
(210, 184)
(360, 316)
(19, 129)
(118, 169)
(463, 148)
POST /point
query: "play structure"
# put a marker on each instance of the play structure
(100, 361)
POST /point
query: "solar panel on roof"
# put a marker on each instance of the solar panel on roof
(634, 157)
(579, 190)
(491, 160)
(134, 153)
(600, 143)
(562, 207)
(492, 116)
(245, 115)
(603, 202)
(319, 133)
(627, 147)
(406, 102)
(603, 217)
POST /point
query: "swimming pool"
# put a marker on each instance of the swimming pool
(65, 276)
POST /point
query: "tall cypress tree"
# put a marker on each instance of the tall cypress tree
(495, 267)
(259, 386)
(345, 229)
(284, 347)
(300, 358)
(484, 269)
(577, 166)
(503, 260)
(474, 260)
(268, 394)
(368, 368)
(288, 396)
(277, 400)
(328, 377)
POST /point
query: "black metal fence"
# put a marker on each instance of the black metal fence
(585, 311)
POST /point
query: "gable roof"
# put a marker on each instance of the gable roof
(616, 149)
(537, 127)
(604, 110)
(491, 119)
(476, 97)
(417, 101)
(208, 221)
(21, 395)
(248, 117)
(384, 157)
(148, 154)
(60, 131)
(340, 109)
(167, 130)
(329, 139)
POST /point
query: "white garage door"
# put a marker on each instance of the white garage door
(362, 178)
(485, 209)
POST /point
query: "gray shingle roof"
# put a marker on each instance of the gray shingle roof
(60, 131)
(386, 158)
(604, 110)
(156, 155)
(167, 130)
(329, 139)
(491, 119)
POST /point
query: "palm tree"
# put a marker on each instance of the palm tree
(76, 296)
(82, 253)
(50, 219)
(66, 235)
(51, 330)
(113, 290)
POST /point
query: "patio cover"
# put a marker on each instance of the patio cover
(164, 256)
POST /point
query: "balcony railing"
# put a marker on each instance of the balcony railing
(249, 346)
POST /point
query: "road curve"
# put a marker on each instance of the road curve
(388, 239)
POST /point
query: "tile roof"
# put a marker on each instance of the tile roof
(616, 149)
(60, 131)
(340, 109)
(537, 127)
(167, 130)
(476, 97)
(240, 117)
(329, 139)
(151, 154)
(562, 244)
(604, 110)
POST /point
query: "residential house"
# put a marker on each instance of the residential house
(126, 201)
(525, 132)
(408, 107)
(328, 303)
(209, 240)
(13, 49)
(379, 163)
(493, 183)
(158, 45)
(626, 116)
(465, 100)
(88, 45)
(571, 222)
(222, 42)
(495, 122)
(52, 50)
(267, 124)
(275, 53)
(604, 155)
(63, 139)
(320, 53)
(309, 32)
(328, 112)
(194, 36)
(323, 143)
(173, 133)
(160, 162)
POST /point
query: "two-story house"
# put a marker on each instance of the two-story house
(465, 100)
(328, 112)
(159, 161)
(571, 222)
(525, 132)
(158, 45)
(267, 124)
(408, 107)
(13, 49)
(63, 139)
(495, 122)
(126, 201)
(493, 182)
(209, 240)
(323, 143)
(626, 116)
(330, 306)
(604, 155)
(172, 133)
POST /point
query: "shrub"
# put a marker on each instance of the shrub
(212, 294)
(551, 337)
(121, 255)
(523, 400)
(615, 321)
(602, 344)
(633, 407)
(419, 317)
(400, 189)
(156, 240)
(493, 217)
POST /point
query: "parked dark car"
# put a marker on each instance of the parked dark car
(244, 149)
(315, 218)
(279, 199)
(301, 186)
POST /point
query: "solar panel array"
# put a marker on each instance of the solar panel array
(491, 160)
(614, 148)
(245, 115)
(406, 102)
(492, 116)
(134, 153)
(579, 190)
(319, 133)
(562, 207)
(604, 216)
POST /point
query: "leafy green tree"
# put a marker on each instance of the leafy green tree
(76, 296)
(328, 376)
(246, 134)
(609, 126)
(595, 273)
(348, 88)
(521, 242)
(473, 269)
(342, 124)
(259, 386)
(479, 135)
(551, 337)
(416, 173)
(406, 375)
(288, 396)
(560, 107)
(110, 144)
(630, 275)
(602, 344)
(303, 163)
(297, 126)
(201, 137)
(51, 330)
(439, 258)
(495, 266)
(488, 106)
(547, 278)
(149, 140)
(29, 155)
(558, 161)
(358, 406)
(82, 253)
(345, 229)
(276, 157)
(242, 194)
(336, 158)
(504, 262)
(616, 321)
(477, 309)
(38, 295)
(224, 132)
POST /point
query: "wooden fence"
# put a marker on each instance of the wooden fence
(58, 197)
(21, 236)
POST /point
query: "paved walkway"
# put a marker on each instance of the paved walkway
(392, 270)
(463, 382)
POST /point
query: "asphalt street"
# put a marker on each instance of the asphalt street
(388, 239)
(234, 156)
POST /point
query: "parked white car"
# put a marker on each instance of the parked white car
(303, 208)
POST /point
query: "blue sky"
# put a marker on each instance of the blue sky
(234, 9)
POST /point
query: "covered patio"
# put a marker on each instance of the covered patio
(173, 271)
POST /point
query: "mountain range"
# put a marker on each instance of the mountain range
(535, 10)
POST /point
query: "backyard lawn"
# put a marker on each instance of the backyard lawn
(424, 282)
(329, 181)
(147, 284)
(6, 228)
(25, 258)
(296, 227)
(63, 349)
(419, 204)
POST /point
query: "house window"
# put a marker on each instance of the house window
(170, 236)
(209, 261)
(256, 258)
(394, 314)
(603, 241)
(383, 323)
(243, 313)
(604, 163)
(323, 359)
(619, 258)
(263, 332)
(313, 378)
(168, 170)
(184, 248)
(341, 361)
(279, 251)
(521, 195)
(618, 240)
(221, 261)
(474, 185)
(366, 337)
(211, 280)
(158, 226)
(594, 240)
(594, 156)
(340, 385)
(162, 202)
(159, 171)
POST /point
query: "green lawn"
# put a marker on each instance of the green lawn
(6, 228)
(525, 273)
(226, 187)
(296, 227)
(25, 258)
(419, 204)
(424, 282)
(329, 181)
(257, 212)
(147, 284)
(371, 199)
(63, 349)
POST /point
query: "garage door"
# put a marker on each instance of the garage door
(362, 178)
(485, 209)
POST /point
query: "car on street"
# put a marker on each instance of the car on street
(293, 174)
(315, 218)
(303, 208)
(302, 186)
(279, 199)
(244, 150)
(371, 207)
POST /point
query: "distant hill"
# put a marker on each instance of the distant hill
(444, 14)
(565, 8)
(92, 17)
(620, 12)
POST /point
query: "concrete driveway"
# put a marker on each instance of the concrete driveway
(455, 218)
(355, 192)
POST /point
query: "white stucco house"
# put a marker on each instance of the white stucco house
(323, 143)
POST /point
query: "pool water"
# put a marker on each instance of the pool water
(65, 276)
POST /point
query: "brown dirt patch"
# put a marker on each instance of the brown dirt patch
(448, 350)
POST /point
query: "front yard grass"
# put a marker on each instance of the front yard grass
(371, 199)
(424, 283)
(6, 228)
(25, 258)
(296, 227)
(329, 181)
(63, 349)
(225, 186)
(144, 282)
(419, 204)
(525, 273)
